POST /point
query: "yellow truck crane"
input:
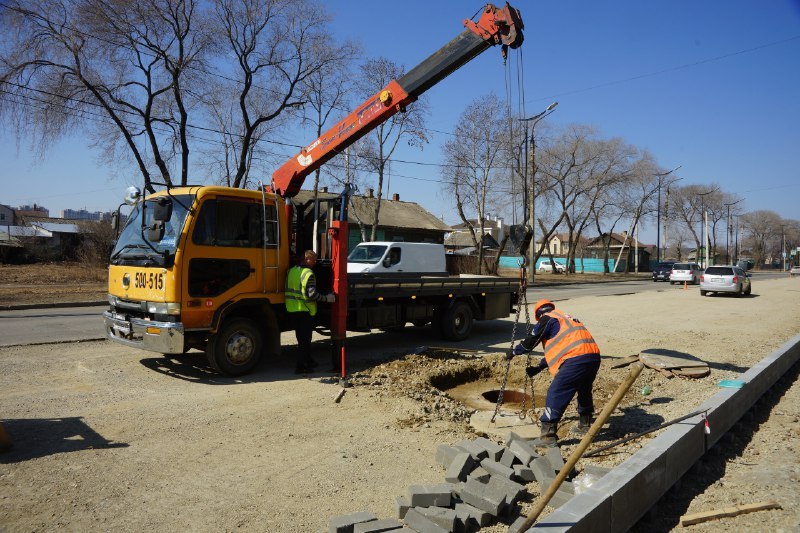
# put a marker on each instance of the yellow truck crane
(204, 267)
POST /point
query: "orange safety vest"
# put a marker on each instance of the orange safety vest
(572, 340)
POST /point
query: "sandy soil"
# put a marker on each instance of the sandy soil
(46, 283)
(109, 438)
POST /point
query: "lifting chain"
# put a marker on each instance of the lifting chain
(522, 300)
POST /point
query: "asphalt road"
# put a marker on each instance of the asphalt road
(34, 326)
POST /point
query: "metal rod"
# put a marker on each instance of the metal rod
(626, 439)
(635, 370)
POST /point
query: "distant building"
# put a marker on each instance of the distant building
(6, 215)
(81, 214)
(32, 211)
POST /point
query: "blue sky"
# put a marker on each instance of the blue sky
(712, 86)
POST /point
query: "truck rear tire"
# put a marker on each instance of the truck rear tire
(236, 348)
(457, 322)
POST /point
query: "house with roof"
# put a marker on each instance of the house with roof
(622, 247)
(397, 220)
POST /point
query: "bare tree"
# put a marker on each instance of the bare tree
(408, 126)
(108, 65)
(147, 79)
(763, 230)
(327, 92)
(478, 153)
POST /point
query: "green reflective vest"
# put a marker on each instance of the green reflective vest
(296, 282)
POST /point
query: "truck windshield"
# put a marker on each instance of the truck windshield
(133, 248)
(366, 253)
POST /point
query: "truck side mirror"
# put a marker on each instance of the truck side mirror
(162, 210)
(115, 222)
(155, 232)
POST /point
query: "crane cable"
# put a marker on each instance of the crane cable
(522, 297)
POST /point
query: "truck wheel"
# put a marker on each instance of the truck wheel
(457, 322)
(236, 348)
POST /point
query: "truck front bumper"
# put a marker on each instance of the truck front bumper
(161, 337)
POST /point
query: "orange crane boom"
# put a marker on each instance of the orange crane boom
(496, 25)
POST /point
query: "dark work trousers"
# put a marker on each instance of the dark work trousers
(575, 375)
(303, 324)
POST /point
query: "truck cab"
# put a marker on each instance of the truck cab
(383, 257)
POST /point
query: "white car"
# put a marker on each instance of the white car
(794, 271)
(547, 266)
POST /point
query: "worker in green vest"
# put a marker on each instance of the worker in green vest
(301, 303)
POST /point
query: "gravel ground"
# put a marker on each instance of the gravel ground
(110, 438)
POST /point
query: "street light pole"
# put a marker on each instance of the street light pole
(532, 184)
(729, 232)
(703, 223)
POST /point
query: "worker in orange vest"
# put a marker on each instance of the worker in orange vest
(572, 356)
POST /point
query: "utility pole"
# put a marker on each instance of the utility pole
(532, 186)
(658, 211)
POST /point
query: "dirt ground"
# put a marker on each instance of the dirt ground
(46, 283)
(110, 438)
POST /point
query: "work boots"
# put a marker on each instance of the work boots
(548, 438)
(584, 423)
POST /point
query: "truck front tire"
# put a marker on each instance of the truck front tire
(236, 348)
(457, 321)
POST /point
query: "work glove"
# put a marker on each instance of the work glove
(533, 370)
(519, 349)
(330, 298)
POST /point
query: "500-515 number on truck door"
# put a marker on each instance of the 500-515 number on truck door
(149, 280)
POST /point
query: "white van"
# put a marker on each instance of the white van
(397, 257)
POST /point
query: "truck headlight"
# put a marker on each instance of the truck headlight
(164, 308)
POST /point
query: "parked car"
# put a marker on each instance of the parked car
(685, 272)
(725, 279)
(662, 271)
(547, 266)
(794, 271)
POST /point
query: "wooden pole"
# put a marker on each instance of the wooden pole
(635, 370)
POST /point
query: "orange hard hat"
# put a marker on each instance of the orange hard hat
(541, 307)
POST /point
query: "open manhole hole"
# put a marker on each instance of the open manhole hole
(482, 395)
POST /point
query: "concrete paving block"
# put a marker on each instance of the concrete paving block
(542, 471)
(496, 469)
(441, 516)
(345, 523)
(508, 459)
(481, 474)
(494, 450)
(475, 450)
(455, 491)
(461, 465)
(555, 458)
(428, 495)
(512, 490)
(445, 454)
(402, 505)
(478, 495)
(483, 518)
(377, 526)
(422, 524)
(523, 474)
(524, 452)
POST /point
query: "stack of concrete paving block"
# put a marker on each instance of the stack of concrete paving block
(484, 480)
